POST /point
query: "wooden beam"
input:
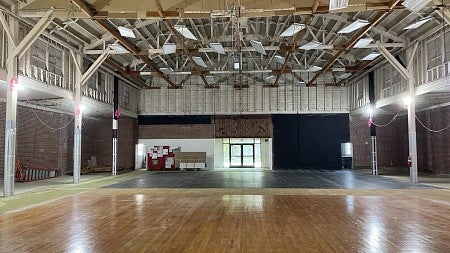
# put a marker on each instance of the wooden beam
(298, 37)
(373, 22)
(128, 44)
(123, 72)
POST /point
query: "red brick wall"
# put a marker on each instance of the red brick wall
(176, 131)
(257, 126)
(437, 145)
(40, 146)
(360, 137)
(97, 141)
(433, 149)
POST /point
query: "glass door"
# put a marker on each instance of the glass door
(235, 155)
(242, 156)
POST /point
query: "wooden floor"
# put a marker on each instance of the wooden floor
(221, 220)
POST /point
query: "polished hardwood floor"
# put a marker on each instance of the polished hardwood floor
(233, 220)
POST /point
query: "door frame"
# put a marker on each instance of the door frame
(242, 155)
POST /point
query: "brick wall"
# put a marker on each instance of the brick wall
(433, 149)
(41, 144)
(176, 131)
(258, 126)
(222, 127)
(41, 139)
(97, 141)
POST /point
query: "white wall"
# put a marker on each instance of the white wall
(195, 99)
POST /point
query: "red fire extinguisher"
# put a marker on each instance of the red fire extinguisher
(409, 161)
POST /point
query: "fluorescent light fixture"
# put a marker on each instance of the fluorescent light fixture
(126, 32)
(271, 79)
(199, 61)
(338, 4)
(354, 26)
(417, 24)
(363, 43)
(416, 5)
(314, 69)
(217, 47)
(258, 46)
(279, 59)
(371, 56)
(167, 71)
(343, 75)
(169, 48)
(236, 65)
(292, 30)
(183, 30)
(311, 45)
(118, 48)
(210, 79)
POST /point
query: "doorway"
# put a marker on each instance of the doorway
(242, 155)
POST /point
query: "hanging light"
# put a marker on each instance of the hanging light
(258, 46)
(126, 32)
(311, 45)
(415, 5)
(279, 59)
(292, 30)
(199, 61)
(210, 79)
(360, 23)
(169, 48)
(217, 47)
(363, 43)
(167, 71)
(118, 48)
(417, 24)
(314, 68)
(372, 56)
(183, 30)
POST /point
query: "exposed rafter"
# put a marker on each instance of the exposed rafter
(179, 40)
(129, 45)
(298, 37)
(373, 22)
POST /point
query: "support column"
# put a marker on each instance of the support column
(116, 114)
(412, 140)
(78, 122)
(10, 129)
(14, 52)
(407, 73)
(373, 131)
(80, 80)
(11, 109)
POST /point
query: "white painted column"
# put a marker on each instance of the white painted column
(14, 52)
(11, 109)
(78, 121)
(10, 129)
(408, 74)
(412, 140)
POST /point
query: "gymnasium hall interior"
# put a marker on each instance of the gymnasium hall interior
(224, 126)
